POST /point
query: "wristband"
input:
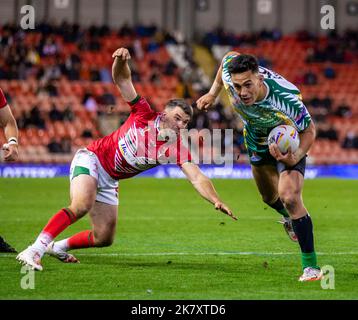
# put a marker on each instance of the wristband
(12, 140)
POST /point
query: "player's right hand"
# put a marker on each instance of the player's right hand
(11, 152)
(205, 102)
(225, 209)
(122, 53)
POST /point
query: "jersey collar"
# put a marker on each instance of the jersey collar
(267, 94)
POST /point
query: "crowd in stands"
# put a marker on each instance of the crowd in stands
(68, 69)
(222, 37)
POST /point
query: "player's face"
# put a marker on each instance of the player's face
(248, 85)
(175, 119)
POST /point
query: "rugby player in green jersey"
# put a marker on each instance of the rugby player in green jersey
(264, 99)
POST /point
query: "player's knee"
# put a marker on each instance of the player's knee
(81, 208)
(268, 199)
(291, 200)
(104, 241)
(103, 238)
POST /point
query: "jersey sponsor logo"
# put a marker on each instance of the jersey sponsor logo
(122, 148)
(128, 148)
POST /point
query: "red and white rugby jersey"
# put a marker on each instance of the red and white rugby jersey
(3, 101)
(136, 147)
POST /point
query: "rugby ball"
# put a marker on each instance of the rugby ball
(284, 136)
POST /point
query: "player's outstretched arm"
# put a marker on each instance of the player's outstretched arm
(121, 74)
(8, 122)
(205, 187)
(207, 101)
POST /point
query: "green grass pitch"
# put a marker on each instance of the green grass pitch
(171, 244)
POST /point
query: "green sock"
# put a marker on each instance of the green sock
(284, 212)
(280, 208)
(309, 260)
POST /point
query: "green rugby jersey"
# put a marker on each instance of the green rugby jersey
(282, 105)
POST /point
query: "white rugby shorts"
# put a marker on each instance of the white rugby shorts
(86, 162)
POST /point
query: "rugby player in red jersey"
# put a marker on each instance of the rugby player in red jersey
(138, 145)
(8, 123)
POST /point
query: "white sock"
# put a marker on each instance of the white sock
(61, 245)
(42, 241)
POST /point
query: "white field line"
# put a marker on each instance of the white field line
(5, 255)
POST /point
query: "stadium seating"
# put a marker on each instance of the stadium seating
(287, 55)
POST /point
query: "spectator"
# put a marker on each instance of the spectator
(138, 49)
(23, 121)
(310, 78)
(264, 62)
(315, 102)
(304, 35)
(90, 103)
(125, 30)
(51, 89)
(72, 66)
(68, 114)
(327, 131)
(73, 72)
(54, 146)
(55, 114)
(350, 141)
(276, 34)
(105, 75)
(310, 55)
(94, 74)
(153, 46)
(136, 77)
(329, 72)
(3, 71)
(32, 57)
(170, 68)
(343, 110)
(47, 88)
(36, 119)
(94, 44)
(155, 77)
(87, 133)
(320, 107)
(327, 102)
(66, 145)
(50, 48)
(51, 72)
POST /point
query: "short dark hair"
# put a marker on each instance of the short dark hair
(243, 63)
(182, 104)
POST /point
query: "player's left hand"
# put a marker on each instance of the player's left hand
(11, 152)
(289, 159)
(225, 209)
